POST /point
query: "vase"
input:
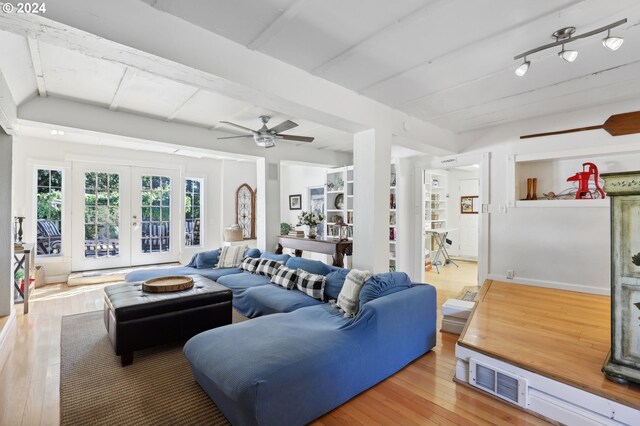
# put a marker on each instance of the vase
(313, 231)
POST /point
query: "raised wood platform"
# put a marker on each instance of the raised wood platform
(562, 335)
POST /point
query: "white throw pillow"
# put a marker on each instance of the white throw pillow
(348, 299)
(231, 256)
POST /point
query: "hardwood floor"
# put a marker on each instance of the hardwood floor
(422, 393)
(516, 323)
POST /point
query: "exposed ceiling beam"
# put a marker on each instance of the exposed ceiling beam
(8, 108)
(34, 51)
(125, 81)
(97, 121)
(377, 33)
(177, 110)
(278, 24)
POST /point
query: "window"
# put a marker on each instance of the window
(245, 211)
(192, 211)
(101, 214)
(49, 205)
(156, 214)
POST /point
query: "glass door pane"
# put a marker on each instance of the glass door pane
(101, 215)
(155, 214)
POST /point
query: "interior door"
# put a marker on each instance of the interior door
(100, 215)
(469, 222)
(155, 216)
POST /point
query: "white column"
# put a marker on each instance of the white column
(405, 214)
(6, 224)
(267, 203)
(371, 172)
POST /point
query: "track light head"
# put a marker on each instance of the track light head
(568, 55)
(612, 43)
(522, 69)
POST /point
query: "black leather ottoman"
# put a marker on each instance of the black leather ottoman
(137, 320)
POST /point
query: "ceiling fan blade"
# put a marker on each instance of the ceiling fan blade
(283, 127)
(239, 127)
(234, 137)
(296, 138)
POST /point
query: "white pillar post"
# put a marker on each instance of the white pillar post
(6, 224)
(371, 172)
(267, 203)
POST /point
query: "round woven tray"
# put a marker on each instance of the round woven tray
(167, 284)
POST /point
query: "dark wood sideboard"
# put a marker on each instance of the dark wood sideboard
(333, 246)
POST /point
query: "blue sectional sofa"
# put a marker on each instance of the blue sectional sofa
(299, 358)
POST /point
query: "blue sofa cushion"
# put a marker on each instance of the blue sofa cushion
(242, 281)
(311, 284)
(271, 299)
(207, 259)
(212, 274)
(312, 266)
(383, 284)
(252, 252)
(279, 257)
(335, 281)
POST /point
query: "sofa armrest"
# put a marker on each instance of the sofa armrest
(404, 323)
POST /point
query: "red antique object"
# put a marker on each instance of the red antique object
(583, 177)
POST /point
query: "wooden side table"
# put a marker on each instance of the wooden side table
(24, 258)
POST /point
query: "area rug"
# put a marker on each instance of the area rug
(468, 294)
(157, 389)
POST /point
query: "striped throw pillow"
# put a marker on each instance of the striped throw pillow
(250, 264)
(267, 267)
(285, 277)
(231, 256)
(311, 284)
(348, 299)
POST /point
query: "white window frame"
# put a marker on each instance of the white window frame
(202, 182)
(34, 209)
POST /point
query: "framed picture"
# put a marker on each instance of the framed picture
(295, 202)
(469, 204)
(316, 204)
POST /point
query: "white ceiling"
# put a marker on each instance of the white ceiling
(70, 74)
(449, 62)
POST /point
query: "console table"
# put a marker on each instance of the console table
(338, 249)
(24, 259)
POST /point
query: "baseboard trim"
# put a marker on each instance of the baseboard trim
(553, 284)
(4, 332)
(56, 279)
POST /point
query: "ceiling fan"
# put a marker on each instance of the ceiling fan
(266, 137)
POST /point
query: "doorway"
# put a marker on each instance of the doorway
(124, 216)
(455, 222)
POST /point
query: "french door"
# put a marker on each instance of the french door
(124, 216)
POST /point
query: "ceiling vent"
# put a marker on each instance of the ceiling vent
(498, 382)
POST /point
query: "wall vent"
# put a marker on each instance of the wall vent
(498, 382)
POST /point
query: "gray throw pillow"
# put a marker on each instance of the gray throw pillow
(348, 299)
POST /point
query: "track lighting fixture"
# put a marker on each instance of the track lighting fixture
(564, 36)
(612, 43)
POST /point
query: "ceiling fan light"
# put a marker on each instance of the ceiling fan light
(264, 141)
(612, 43)
(568, 55)
(522, 69)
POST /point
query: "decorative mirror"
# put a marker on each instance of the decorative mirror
(245, 211)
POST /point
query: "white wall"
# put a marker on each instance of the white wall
(297, 179)
(562, 247)
(6, 226)
(220, 185)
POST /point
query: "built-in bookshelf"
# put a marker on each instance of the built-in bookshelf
(339, 201)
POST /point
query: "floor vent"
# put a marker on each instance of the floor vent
(498, 382)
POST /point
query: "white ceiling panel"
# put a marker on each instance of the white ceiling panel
(238, 20)
(207, 109)
(325, 29)
(150, 94)
(71, 74)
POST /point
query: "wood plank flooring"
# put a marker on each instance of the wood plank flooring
(423, 393)
(559, 334)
